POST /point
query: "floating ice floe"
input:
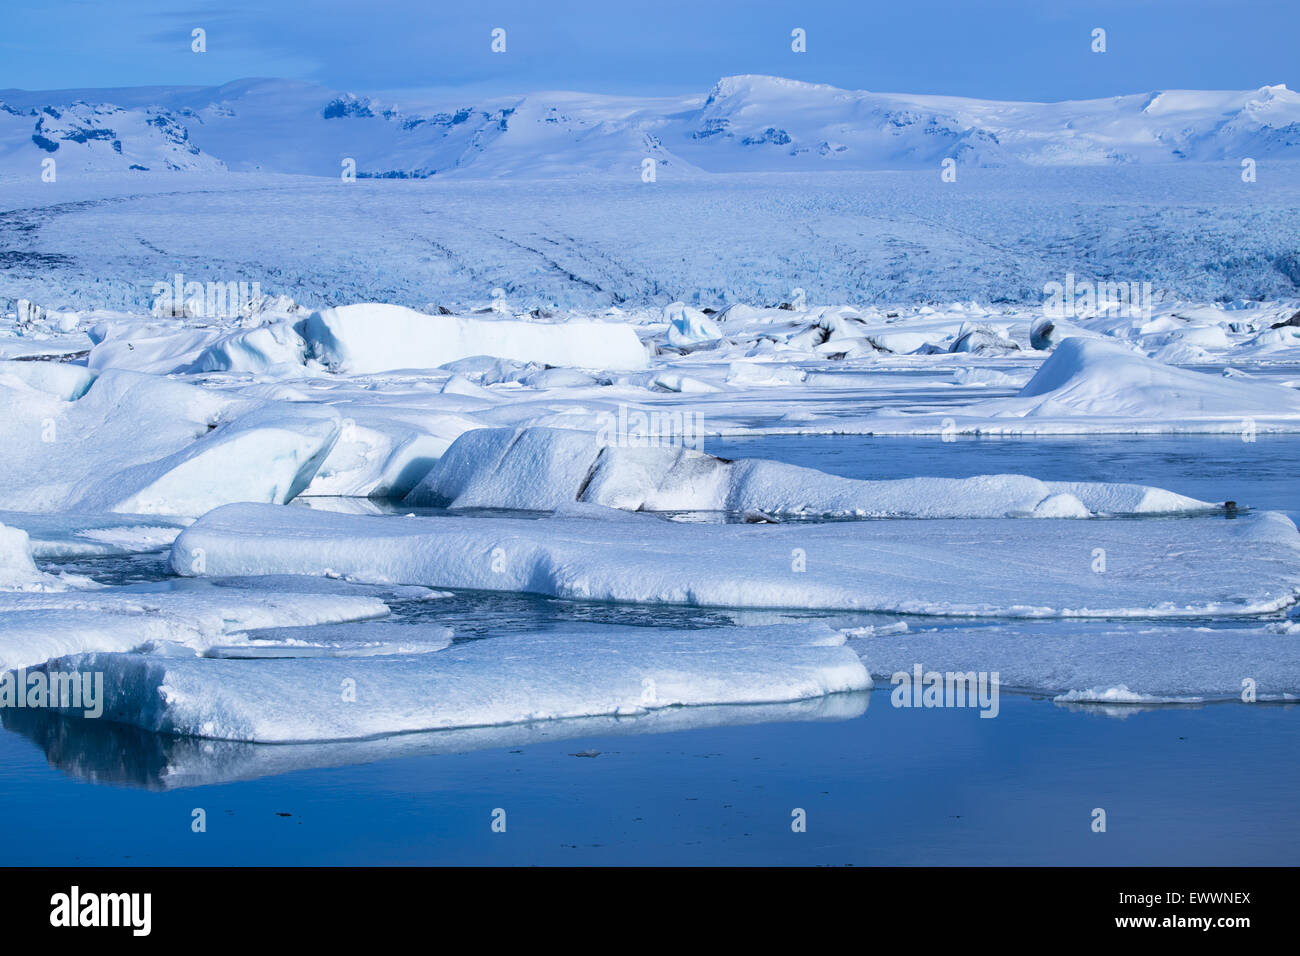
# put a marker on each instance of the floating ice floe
(37, 626)
(1102, 662)
(503, 680)
(1003, 567)
(373, 337)
(541, 469)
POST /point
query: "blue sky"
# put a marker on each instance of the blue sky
(1011, 49)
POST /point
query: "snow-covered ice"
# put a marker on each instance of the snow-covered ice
(377, 338)
(541, 469)
(18, 572)
(1000, 567)
(1096, 386)
(137, 443)
(1102, 662)
(504, 680)
(37, 626)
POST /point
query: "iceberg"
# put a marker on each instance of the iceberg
(1103, 662)
(138, 443)
(371, 337)
(178, 346)
(688, 327)
(271, 454)
(65, 382)
(540, 469)
(18, 572)
(1091, 377)
(990, 566)
(382, 452)
(513, 679)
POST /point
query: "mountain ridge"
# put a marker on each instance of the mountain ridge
(745, 123)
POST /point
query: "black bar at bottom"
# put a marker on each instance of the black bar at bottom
(329, 905)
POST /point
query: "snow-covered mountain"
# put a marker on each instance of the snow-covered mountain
(745, 123)
(99, 137)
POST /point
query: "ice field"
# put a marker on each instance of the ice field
(229, 519)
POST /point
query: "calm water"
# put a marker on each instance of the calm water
(1180, 786)
(1214, 784)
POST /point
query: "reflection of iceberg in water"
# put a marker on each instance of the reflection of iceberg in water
(103, 752)
(93, 750)
(1123, 711)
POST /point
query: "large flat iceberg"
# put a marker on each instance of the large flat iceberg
(1005, 567)
(589, 671)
